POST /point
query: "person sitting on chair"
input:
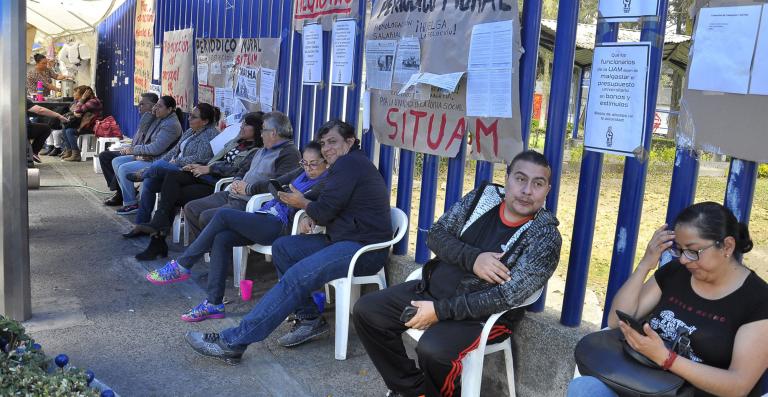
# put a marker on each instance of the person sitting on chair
(354, 208)
(494, 249)
(231, 228)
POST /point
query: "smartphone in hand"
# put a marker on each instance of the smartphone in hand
(278, 186)
(408, 313)
(631, 321)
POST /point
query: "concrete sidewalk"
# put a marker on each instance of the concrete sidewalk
(91, 301)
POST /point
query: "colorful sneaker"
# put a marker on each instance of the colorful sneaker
(204, 311)
(128, 209)
(172, 272)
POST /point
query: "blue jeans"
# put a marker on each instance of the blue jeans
(589, 386)
(151, 185)
(304, 264)
(70, 138)
(229, 228)
(124, 166)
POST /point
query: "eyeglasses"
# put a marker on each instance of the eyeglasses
(192, 116)
(313, 164)
(268, 129)
(693, 255)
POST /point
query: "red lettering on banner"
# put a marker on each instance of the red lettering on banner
(483, 130)
(434, 139)
(458, 132)
(434, 145)
(310, 9)
(418, 116)
(392, 123)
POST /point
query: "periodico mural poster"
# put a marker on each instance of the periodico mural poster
(178, 67)
(322, 11)
(144, 31)
(433, 117)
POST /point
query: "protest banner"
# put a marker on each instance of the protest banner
(178, 67)
(436, 123)
(144, 31)
(322, 11)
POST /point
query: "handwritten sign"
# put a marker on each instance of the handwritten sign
(439, 125)
(322, 11)
(178, 67)
(144, 31)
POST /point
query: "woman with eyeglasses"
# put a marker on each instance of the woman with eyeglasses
(192, 148)
(706, 291)
(231, 228)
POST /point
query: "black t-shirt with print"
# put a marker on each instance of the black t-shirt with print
(712, 323)
(488, 233)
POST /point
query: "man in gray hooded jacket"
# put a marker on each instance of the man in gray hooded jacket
(494, 249)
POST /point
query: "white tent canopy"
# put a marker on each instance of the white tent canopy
(64, 17)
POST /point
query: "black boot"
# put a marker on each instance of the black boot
(135, 232)
(115, 200)
(157, 249)
(160, 223)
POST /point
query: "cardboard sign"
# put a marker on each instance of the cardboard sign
(322, 11)
(438, 125)
(144, 31)
(178, 67)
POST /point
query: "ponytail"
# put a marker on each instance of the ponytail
(170, 102)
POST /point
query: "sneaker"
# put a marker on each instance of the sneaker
(204, 311)
(211, 345)
(55, 152)
(172, 272)
(128, 209)
(304, 331)
(36, 158)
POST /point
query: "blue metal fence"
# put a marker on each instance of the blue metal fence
(309, 106)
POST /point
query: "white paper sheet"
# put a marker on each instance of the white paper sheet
(156, 63)
(312, 46)
(616, 107)
(627, 10)
(366, 110)
(205, 94)
(267, 89)
(491, 46)
(489, 93)
(448, 81)
(215, 68)
(759, 83)
(723, 45)
(202, 73)
(407, 60)
(224, 137)
(223, 98)
(379, 60)
(246, 85)
(343, 51)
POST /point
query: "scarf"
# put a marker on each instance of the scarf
(277, 208)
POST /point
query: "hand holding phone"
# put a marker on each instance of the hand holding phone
(278, 186)
(408, 313)
(631, 321)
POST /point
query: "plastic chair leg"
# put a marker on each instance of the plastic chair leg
(342, 319)
(509, 362)
(471, 374)
(240, 262)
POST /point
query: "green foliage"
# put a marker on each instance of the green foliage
(24, 369)
(762, 171)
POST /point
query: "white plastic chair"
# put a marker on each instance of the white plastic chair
(347, 289)
(472, 363)
(87, 145)
(179, 225)
(240, 254)
(102, 145)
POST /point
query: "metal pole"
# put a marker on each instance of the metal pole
(483, 172)
(557, 112)
(579, 94)
(426, 206)
(740, 190)
(586, 213)
(530, 38)
(633, 184)
(386, 159)
(404, 193)
(454, 185)
(682, 191)
(15, 292)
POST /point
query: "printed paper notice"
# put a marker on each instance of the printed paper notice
(312, 46)
(246, 85)
(202, 73)
(156, 63)
(491, 46)
(759, 83)
(223, 99)
(616, 106)
(343, 51)
(267, 89)
(408, 59)
(724, 43)
(489, 93)
(366, 103)
(216, 68)
(627, 10)
(205, 94)
(379, 59)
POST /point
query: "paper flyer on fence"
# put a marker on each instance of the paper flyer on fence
(343, 40)
(379, 60)
(312, 47)
(759, 83)
(267, 89)
(407, 59)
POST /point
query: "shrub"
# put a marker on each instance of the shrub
(762, 171)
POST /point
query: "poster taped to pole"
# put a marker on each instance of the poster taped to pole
(144, 31)
(438, 125)
(178, 67)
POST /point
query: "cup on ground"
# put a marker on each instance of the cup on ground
(246, 289)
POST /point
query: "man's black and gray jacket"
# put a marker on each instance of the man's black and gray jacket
(532, 255)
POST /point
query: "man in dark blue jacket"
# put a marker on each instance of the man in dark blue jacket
(354, 208)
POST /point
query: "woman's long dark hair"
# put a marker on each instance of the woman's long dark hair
(255, 120)
(170, 102)
(211, 114)
(715, 222)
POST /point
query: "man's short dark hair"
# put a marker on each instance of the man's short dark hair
(39, 58)
(151, 96)
(530, 156)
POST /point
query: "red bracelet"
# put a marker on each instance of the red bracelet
(669, 361)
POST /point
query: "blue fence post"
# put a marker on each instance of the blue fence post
(633, 184)
(483, 172)
(740, 190)
(454, 185)
(426, 205)
(586, 214)
(579, 95)
(386, 160)
(682, 191)
(529, 35)
(557, 113)
(404, 193)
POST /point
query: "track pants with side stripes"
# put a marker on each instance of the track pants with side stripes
(440, 350)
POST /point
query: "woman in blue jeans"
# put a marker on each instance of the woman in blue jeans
(233, 228)
(354, 208)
